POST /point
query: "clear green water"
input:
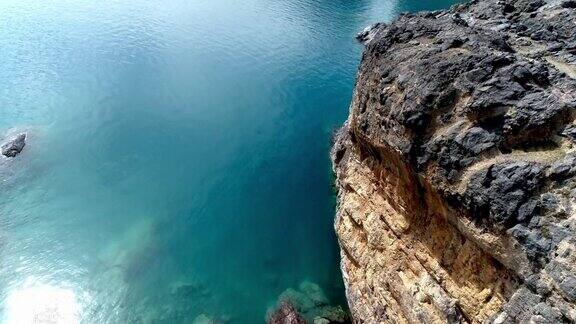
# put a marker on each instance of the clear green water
(177, 160)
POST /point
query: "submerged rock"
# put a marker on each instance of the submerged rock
(190, 291)
(285, 314)
(205, 319)
(330, 314)
(456, 171)
(14, 146)
(311, 304)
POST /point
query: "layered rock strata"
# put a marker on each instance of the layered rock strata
(456, 169)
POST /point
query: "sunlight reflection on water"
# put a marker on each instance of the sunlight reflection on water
(41, 303)
(177, 162)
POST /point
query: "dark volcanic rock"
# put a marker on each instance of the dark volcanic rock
(502, 190)
(14, 146)
(367, 34)
(466, 115)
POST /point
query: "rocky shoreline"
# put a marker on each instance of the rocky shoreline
(456, 169)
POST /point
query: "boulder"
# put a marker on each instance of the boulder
(14, 146)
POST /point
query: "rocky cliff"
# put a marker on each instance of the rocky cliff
(456, 169)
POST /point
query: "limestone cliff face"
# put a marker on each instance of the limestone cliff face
(456, 169)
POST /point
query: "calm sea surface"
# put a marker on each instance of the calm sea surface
(177, 158)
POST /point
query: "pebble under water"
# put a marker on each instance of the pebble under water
(177, 154)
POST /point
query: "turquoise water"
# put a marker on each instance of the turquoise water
(177, 158)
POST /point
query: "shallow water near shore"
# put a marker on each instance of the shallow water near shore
(177, 158)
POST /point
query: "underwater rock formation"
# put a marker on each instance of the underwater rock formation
(14, 146)
(456, 169)
(306, 304)
(285, 314)
(205, 319)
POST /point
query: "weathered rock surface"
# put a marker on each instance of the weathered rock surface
(456, 169)
(14, 146)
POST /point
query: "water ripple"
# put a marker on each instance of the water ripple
(177, 162)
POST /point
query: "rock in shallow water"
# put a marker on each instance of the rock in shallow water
(14, 146)
(205, 319)
(309, 304)
(286, 314)
(456, 190)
